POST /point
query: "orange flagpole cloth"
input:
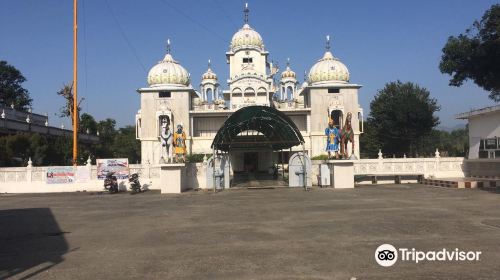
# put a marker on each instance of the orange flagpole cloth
(75, 82)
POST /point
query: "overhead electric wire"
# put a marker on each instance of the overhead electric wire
(123, 34)
(193, 20)
(228, 15)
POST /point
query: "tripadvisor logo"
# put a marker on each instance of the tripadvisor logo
(387, 255)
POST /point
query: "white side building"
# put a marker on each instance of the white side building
(484, 132)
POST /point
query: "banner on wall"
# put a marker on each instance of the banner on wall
(82, 174)
(60, 175)
(117, 165)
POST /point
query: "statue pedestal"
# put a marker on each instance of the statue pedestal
(342, 172)
(172, 177)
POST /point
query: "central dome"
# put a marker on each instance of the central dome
(246, 37)
(328, 69)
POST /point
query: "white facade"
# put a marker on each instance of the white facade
(327, 92)
(484, 132)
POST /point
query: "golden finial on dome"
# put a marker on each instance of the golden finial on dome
(168, 46)
(246, 11)
(327, 42)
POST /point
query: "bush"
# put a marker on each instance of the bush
(320, 157)
(195, 157)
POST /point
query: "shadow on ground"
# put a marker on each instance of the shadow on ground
(30, 239)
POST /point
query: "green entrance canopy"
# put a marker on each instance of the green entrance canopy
(277, 129)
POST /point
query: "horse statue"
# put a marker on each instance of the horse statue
(346, 136)
(166, 142)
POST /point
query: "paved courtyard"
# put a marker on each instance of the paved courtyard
(248, 234)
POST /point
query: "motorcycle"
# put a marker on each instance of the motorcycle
(135, 185)
(111, 183)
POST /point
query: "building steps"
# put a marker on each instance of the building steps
(462, 183)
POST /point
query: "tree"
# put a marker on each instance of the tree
(369, 144)
(38, 149)
(67, 110)
(17, 148)
(126, 145)
(4, 157)
(402, 115)
(11, 89)
(87, 122)
(107, 133)
(475, 55)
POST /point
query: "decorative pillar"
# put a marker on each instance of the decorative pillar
(29, 170)
(89, 166)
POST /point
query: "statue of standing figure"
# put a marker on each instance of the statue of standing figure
(180, 143)
(332, 139)
(166, 142)
(346, 136)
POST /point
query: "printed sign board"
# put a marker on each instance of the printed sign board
(82, 174)
(60, 175)
(117, 165)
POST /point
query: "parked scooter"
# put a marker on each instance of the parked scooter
(111, 183)
(135, 185)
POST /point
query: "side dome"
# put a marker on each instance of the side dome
(288, 73)
(168, 72)
(328, 69)
(246, 37)
(209, 75)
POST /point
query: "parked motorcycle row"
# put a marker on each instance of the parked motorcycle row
(111, 183)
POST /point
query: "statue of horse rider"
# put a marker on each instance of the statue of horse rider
(346, 136)
(166, 142)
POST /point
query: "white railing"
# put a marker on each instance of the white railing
(31, 179)
(38, 174)
(429, 167)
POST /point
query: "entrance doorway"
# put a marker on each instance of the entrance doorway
(251, 162)
(255, 137)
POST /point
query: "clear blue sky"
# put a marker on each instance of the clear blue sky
(379, 41)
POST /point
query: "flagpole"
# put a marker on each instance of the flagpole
(75, 77)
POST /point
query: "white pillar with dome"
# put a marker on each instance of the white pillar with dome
(166, 100)
(330, 94)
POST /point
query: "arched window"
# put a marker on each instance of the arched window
(249, 92)
(289, 93)
(237, 92)
(336, 116)
(209, 95)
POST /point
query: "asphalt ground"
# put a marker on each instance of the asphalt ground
(279, 233)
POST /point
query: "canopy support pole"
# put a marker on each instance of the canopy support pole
(282, 165)
(229, 162)
(304, 163)
(213, 169)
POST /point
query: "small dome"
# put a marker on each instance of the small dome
(328, 69)
(168, 72)
(209, 74)
(246, 37)
(288, 73)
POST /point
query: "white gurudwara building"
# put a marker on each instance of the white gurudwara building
(327, 92)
